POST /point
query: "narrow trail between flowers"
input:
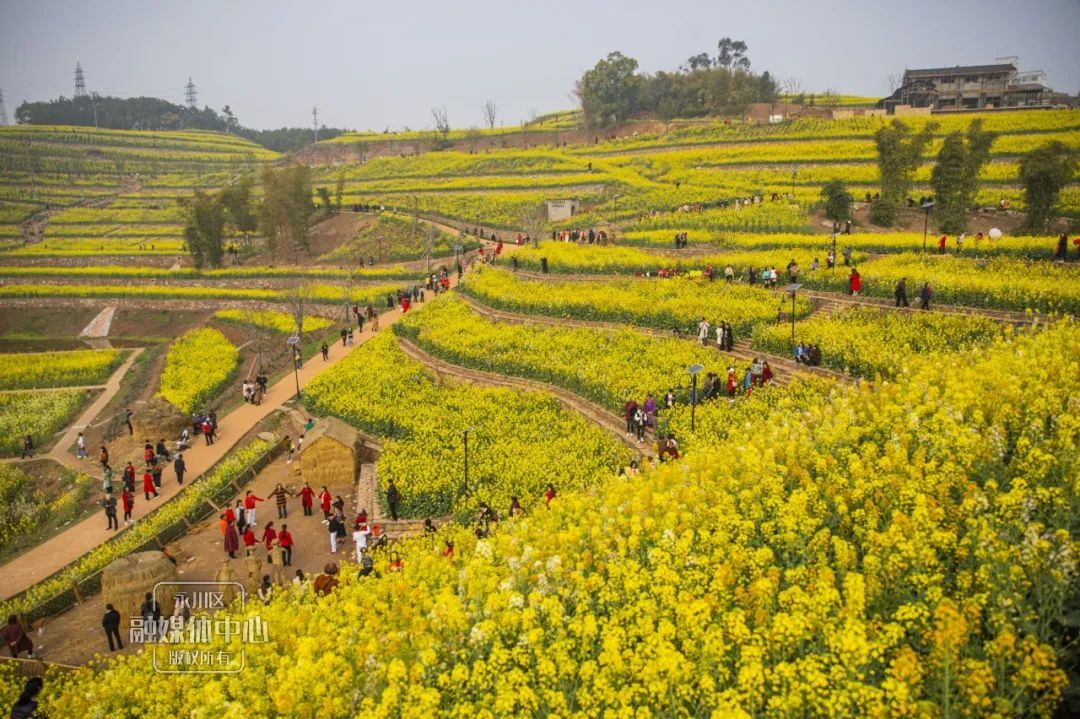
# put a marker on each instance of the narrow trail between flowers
(65, 547)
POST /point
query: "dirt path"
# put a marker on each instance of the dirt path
(59, 452)
(50, 556)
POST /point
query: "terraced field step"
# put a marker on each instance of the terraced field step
(782, 367)
(831, 302)
(590, 410)
(1007, 316)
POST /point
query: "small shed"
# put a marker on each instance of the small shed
(330, 453)
(562, 209)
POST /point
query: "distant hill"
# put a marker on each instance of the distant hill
(152, 113)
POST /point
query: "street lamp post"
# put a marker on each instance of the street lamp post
(293, 341)
(465, 438)
(926, 206)
(792, 288)
(693, 370)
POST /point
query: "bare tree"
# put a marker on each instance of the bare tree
(490, 109)
(473, 136)
(792, 87)
(830, 98)
(299, 297)
(533, 114)
(431, 235)
(534, 221)
(442, 124)
(894, 82)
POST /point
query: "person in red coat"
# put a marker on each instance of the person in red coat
(307, 497)
(16, 639)
(148, 484)
(855, 282)
(405, 304)
(325, 498)
(232, 540)
(249, 540)
(941, 245)
(269, 535)
(766, 374)
(249, 506)
(230, 515)
(286, 541)
(127, 497)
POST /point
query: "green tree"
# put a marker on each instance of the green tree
(1044, 172)
(731, 54)
(205, 229)
(339, 189)
(609, 91)
(324, 200)
(286, 207)
(955, 177)
(899, 155)
(837, 200)
(238, 203)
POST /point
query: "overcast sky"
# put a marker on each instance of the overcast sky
(369, 65)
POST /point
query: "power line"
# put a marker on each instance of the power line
(80, 81)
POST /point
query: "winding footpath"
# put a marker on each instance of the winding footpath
(57, 552)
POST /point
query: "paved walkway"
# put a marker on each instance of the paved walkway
(34, 565)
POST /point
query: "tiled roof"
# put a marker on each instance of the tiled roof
(961, 70)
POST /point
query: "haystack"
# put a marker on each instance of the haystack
(125, 582)
(158, 419)
(227, 579)
(330, 453)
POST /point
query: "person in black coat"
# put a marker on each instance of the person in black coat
(180, 466)
(111, 624)
(392, 499)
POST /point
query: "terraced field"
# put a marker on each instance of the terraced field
(109, 192)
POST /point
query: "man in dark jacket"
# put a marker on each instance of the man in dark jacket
(180, 466)
(392, 499)
(111, 623)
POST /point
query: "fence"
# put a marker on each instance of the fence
(212, 504)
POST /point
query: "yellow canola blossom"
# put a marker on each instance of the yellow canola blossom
(868, 341)
(58, 369)
(198, 364)
(518, 442)
(665, 305)
(902, 549)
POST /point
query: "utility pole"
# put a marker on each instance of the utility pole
(190, 95)
(80, 81)
(315, 121)
(3, 109)
(93, 101)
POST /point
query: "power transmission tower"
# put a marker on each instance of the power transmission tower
(190, 94)
(80, 81)
(3, 109)
(315, 121)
